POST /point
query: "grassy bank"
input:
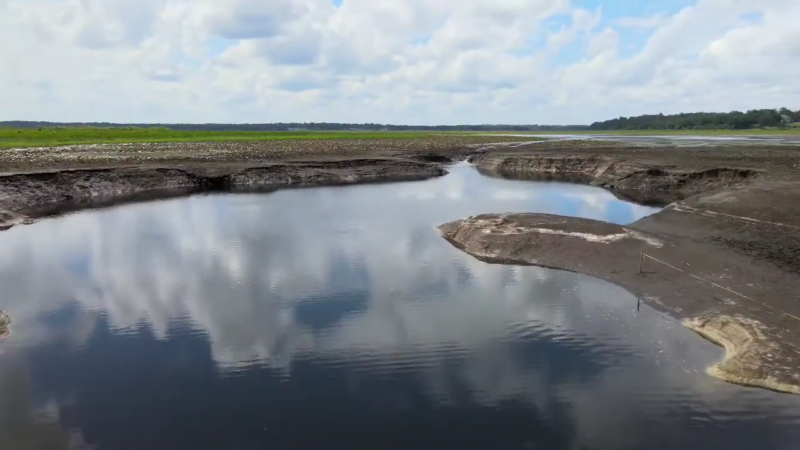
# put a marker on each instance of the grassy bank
(50, 137)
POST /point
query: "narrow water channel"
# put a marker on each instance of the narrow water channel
(338, 317)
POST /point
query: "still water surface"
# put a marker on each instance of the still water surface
(338, 317)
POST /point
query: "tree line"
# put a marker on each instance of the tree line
(734, 120)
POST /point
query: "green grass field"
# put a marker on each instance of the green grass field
(49, 137)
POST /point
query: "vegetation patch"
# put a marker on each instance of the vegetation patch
(755, 119)
(59, 136)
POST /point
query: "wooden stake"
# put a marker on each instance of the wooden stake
(641, 260)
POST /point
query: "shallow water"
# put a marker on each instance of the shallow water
(338, 316)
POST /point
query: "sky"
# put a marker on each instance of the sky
(422, 62)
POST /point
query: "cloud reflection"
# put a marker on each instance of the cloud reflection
(224, 260)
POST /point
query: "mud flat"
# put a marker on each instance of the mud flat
(723, 256)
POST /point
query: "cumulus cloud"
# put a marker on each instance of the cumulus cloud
(247, 19)
(411, 61)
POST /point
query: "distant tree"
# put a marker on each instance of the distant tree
(701, 120)
(769, 118)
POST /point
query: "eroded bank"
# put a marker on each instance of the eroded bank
(24, 197)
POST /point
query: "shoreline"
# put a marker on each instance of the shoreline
(758, 342)
(27, 197)
(736, 336)
(723, 256)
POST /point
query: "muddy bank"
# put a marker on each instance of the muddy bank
(27, 196)
(730, 239)
(744, 198)
(723, 256)
(742, 304)
(638, 181)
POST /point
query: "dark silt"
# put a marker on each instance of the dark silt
(338, 317)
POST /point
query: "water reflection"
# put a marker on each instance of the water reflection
(238, 319)
(25, 426)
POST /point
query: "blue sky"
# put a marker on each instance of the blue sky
(409, 61)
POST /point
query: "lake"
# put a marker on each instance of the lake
(337, 317)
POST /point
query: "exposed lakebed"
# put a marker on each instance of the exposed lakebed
(338, 316)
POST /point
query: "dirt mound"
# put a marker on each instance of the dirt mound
(5, 324)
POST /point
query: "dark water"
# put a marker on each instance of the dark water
(338, 318)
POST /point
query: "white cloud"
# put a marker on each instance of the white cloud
(248, 19)
(583, 22)
(415, 61)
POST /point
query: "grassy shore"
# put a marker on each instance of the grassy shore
(51, 137)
